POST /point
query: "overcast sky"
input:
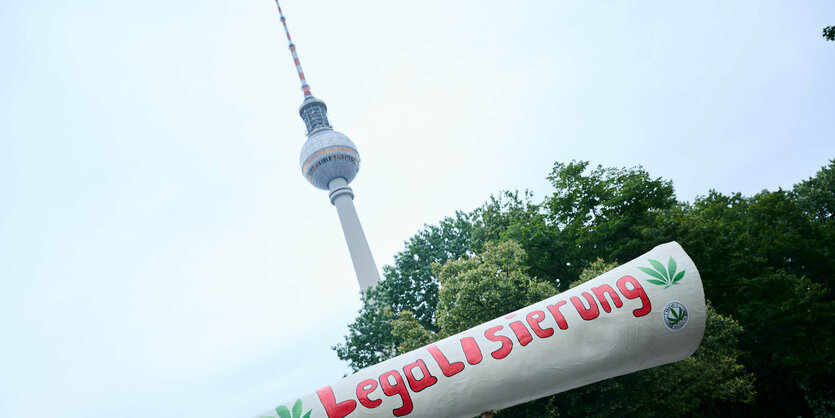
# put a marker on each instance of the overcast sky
(161, 254)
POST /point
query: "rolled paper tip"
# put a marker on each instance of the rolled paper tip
(645, 313)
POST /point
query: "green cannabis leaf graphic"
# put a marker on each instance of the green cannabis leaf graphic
(677, 316)
(665, 276)
(284, 412)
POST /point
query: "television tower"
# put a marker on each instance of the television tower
(329, 160)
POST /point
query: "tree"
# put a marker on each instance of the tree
(790, 343)
(829, 33)
(603, 213)
(816, 196)
(766, 261)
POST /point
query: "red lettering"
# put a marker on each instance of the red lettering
(333, 409)
(397, 388)
(507, 345)
(521, 332)
(363, 389)
(601, 291)
(636, 292)
(449, 369)
(555, 311)
(425, 380)
(586, 313)
(471, 350)
(534, 318)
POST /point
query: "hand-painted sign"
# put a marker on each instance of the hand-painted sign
(645, 313)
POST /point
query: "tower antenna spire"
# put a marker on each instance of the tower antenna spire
(305, 86)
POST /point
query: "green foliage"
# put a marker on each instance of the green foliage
(474, 291)
(370, 339)
(766, 261)
(815, 195)
(731, 237)
(500, 216)
(596, 268)
(484, 287)
(602, 213)
(411, 333)
(789, 340)
(410, 283)
(509, 216)
(772, 252)
(829, 33)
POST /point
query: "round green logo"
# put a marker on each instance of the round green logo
(675, 316)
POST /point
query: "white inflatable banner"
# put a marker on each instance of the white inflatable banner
(645, 313)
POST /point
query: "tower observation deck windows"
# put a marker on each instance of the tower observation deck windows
(330, 158)
(339, 150)
(315, 116)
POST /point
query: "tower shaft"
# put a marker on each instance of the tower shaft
(342, 196)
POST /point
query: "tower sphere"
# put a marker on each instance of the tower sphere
(327, 155)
